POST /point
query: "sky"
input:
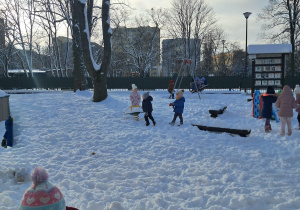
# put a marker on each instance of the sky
(100, 158)
(230, 16)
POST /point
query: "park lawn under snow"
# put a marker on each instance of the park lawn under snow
(139, 167)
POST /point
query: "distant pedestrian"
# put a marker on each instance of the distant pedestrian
(286, 103)
(171, 89)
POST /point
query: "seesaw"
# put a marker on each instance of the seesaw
(242, 133)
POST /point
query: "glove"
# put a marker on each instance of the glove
(171, 104)
(146, 114)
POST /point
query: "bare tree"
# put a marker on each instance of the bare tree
(281, 24)
(81, 31)
(22, 14)
(191, 21)
(140, 43)
(7, 48)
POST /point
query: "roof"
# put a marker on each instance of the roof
(269, 48)
(16, 71)
(3, 94)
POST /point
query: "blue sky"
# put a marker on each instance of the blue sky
(230, 16)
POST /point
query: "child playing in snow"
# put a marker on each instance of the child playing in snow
(286, 103)
(297, 92)
(171, 89)
(43, 194)
(268, 99)
(178, 106)
(135, 97)
(147, 108)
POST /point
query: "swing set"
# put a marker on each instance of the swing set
(186, 63)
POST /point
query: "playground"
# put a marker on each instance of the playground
(101, 159)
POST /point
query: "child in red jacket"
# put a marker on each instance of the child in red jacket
(171, 89)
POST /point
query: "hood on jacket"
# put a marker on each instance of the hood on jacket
(286, 91)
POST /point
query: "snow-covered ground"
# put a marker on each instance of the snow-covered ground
(139, 167)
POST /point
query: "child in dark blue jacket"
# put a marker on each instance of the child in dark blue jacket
(147, 108)
(268, 99)
(178, 105)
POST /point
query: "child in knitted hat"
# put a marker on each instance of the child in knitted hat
(178, 106)
(43, 194)
(147, 108)
(297, 92)
(135, 97)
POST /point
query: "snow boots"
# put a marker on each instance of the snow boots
(267, 128)
(4, 143)
(172, 123)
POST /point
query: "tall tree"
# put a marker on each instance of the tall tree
(191, 19)
(283, 16)
(21, 14)
(97, 72)
(139, 45)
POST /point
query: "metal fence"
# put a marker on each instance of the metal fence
(216, 82)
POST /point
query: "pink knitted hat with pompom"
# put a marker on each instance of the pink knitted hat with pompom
(42, 194)
(39, 175)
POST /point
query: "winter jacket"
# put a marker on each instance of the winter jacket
(286, 102)
(171, 88)
(147, 105)
(266, 111)
(135, 98)
(298, 103)
(179, 105)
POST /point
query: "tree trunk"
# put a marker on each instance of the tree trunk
(292, 21)
(100, 89)
(80, 81)
(98, 73)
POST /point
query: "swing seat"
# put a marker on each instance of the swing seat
(199, 90)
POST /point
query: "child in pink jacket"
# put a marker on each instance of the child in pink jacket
(286, 103)
(135, 97)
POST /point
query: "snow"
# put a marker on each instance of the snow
(86, 30)
(3, 94)
(269, 48)
(139, 167)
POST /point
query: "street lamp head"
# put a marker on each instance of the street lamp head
(247, 14)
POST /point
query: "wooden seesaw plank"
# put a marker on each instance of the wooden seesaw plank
(214, 113)
(242, 133)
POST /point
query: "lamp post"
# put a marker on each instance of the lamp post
(224, 70)
(246, 14)
(128, 66)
